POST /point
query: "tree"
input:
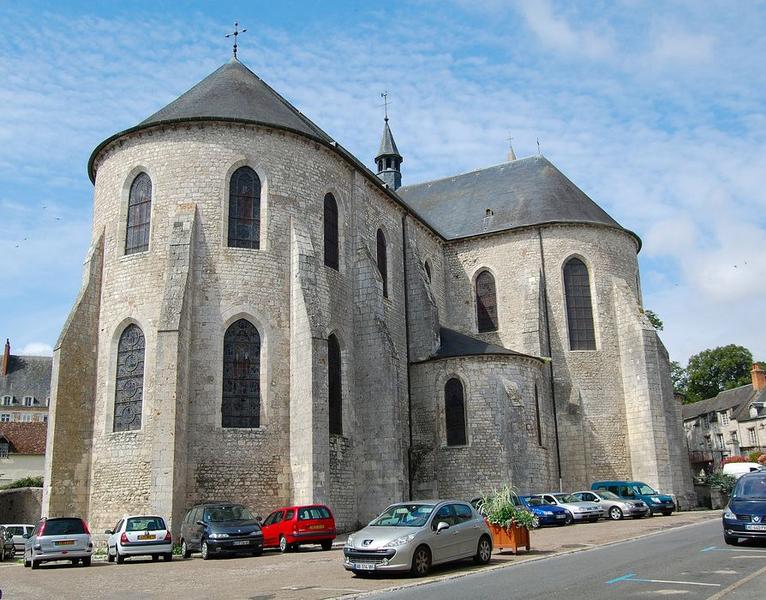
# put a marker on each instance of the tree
(679, 377)
(654, 319)
(714, 370)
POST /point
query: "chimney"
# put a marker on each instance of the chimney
(759, 377)
(7, 357)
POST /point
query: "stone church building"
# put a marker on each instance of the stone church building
(263, 319)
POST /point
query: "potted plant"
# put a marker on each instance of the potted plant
(509, 521)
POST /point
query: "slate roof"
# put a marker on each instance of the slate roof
(455, 344)
(234, 92)
(25, 438)
(387, 144)
(27, 376)
(528, 191)
(737, 399)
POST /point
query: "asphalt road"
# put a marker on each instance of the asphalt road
(691, 563)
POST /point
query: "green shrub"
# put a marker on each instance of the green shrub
(721, 480)
(24, 482)
(754, 456)
(503, 508)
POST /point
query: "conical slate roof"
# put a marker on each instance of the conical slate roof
(387, 144)
(234, 93)
(454, 344)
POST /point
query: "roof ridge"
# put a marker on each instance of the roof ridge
(489, 168)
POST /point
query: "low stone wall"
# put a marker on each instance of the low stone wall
(22, 505)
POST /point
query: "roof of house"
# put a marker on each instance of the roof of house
(456, 344)
(27, 376)
(25, 438)
(520, 193)
(737, 399)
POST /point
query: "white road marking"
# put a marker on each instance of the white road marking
(675, 582)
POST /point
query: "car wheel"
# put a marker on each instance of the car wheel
(569, 520)
(421, 561)
(615, 513)
(109, 557)
(731, 540)
(74, 561)
(167, 557)
(483, 551)
(283, 545)
(34, 564)
(26, 562)
(667, 513)
(204, 551)
(155, 557)
(119, 557)
(327, 545)
(650, 513)
(185, 552)
(86, 561)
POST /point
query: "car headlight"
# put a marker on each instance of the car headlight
(218, 536)
(349, 541)
(656, 500)
(400, 541)
(727, 514)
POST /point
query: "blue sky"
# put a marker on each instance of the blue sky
(656, 110)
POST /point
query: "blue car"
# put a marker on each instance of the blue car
(547, 514)
(745, 516)
(638, 490)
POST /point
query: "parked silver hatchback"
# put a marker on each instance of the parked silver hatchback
(616, 508)
(413, 536)
(60, 538)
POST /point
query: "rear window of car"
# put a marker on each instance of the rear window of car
(64, 527)
(16, 530)
(313, 512)
(145, 524)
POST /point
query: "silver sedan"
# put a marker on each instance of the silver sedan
(616, 508)
(412, 536)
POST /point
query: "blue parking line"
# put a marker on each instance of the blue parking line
(709, 548)
(623, 578)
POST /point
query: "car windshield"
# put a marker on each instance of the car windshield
(751, 487)
(565, 498)
(145, 524)
(607, 495)
(235, 512)
(404, 515)
(64, 527)
(536, 502)
(645, 490)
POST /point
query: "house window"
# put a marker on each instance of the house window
(331, 250)
(139, 215)
(734, 438)
(241, 406)
(5, 418)
(486, 302)
(7, 400)
(4, 446)
(719, 441)
(454, 412)
(334, 385)
(26, 418)
(244, 209)
(724, 417)
(582, 335)
(708, 441)
(752, 436)
(129, 388)
(382, 256)
(29, 401)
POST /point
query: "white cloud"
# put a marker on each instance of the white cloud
(36, 349)
(674, 46)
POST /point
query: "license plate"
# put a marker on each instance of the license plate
(755, 527)
(146, 537)
(65, 543)
(561, 516)
(364, 566)
(316, 526)
(242, 542)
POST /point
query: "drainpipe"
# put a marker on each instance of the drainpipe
(407, 343)
(550, 363)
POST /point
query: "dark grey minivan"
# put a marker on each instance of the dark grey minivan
(218, 528)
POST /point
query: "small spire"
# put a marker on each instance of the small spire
(388, 159)
(384, 95)
(511, 153)
(539, 153)
(234, 34)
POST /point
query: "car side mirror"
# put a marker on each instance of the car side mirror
(108, 531)
(201, 523)
(259, 518)
(441, 527)
(26, 536)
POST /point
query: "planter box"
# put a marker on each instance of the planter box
(512, 539)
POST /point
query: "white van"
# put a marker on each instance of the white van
(739, 469)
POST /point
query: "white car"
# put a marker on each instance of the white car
(737, 470)
(580, 511)
(139, 535)
(19, 530)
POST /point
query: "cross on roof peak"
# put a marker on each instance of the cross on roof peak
(234, 34)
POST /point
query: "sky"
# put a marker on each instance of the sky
(655, 110)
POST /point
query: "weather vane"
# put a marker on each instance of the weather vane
(384, 95)
(235, 33)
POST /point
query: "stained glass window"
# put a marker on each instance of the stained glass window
(486, 302)
(139, 215)
(330, 232)
(582, 335)
(334, 385)
(241, 406)
(454, 410)
(244, 209)
(129, 388)
(383, 261)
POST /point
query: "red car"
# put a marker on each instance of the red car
(289, 527)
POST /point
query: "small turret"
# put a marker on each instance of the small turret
(389, 160)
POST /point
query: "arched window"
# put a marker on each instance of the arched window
(241, 405)
(139, 214)
(244, 209)
(454, 412)
(486, 302)
(129, 382)
(331, 232)
(427, 267)
(334, 386)
(582, 335)
(383, 261)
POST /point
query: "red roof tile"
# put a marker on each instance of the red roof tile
(25, 438)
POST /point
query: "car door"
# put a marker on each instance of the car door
(270, 528)
(442, 544)
(467, 530)
(111, 543)
(195, 529)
